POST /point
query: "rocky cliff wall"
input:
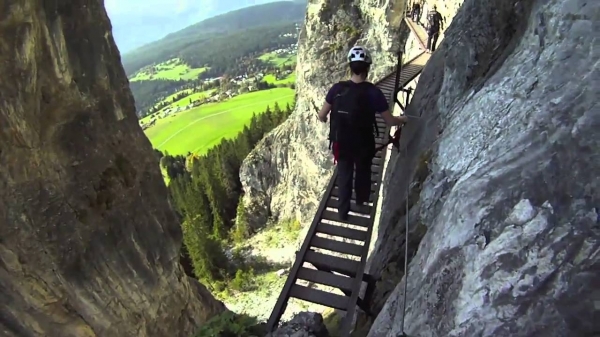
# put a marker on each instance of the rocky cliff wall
(501, 167)
(89, 245)
(285, 175)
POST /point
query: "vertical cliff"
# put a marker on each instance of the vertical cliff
(284, 176)
(502, 172)
(89, 245)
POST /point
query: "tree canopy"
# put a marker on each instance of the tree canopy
(206, 191)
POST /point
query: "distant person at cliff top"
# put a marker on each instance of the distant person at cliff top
(434, 24)
(416, 9)
(353, 105)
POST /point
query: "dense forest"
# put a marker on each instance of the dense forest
(210, 40)
(223, 53)
(148, 93)
(206, 191)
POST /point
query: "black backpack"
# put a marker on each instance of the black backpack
(352, 118)
(433, 21)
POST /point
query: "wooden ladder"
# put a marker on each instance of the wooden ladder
(345, 274)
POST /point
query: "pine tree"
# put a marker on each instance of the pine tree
(241, 229)
(266, 121)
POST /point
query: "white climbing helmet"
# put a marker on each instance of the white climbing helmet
(358, 53)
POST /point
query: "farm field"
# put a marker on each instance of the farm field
(278, 59)
(182, 102)
(186, 100)
(173, 69)
(270, 78)
(197, 130)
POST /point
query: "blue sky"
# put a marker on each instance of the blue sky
(153, 7)
(138, 22)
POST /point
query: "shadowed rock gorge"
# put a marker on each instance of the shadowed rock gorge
(89, 245)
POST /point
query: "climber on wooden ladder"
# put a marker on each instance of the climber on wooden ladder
(434, 24)
(353, 105)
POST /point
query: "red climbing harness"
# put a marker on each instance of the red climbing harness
(336, 152)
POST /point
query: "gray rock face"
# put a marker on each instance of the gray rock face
(503, 172)
(285, 175)
(304, 324)
(89, 245)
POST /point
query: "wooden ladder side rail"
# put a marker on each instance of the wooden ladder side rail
(413, 29)
(284, 295)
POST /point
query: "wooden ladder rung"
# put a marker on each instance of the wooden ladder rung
(336, 246)
(343, 283)
(320, 297)
(342, 232)
(362, 209)
(374, 186)
(336, 193)
(375, 177)
(332, 263)
(352, 219)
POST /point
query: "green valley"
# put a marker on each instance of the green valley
(174, 69)
(205, 96)
(202, 84)
(198, 129)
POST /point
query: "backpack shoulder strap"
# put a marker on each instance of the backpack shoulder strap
(366, 87)
(344, 85)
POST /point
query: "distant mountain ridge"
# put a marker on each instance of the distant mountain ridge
(135, 28)
(269, 14)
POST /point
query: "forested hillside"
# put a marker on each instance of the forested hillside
(209, 41)
(206, 194)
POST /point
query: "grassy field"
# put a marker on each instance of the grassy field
(278, 59)
(270, 78)
(182, 102)
(186, 100)
(173, 69)
(197, 130)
